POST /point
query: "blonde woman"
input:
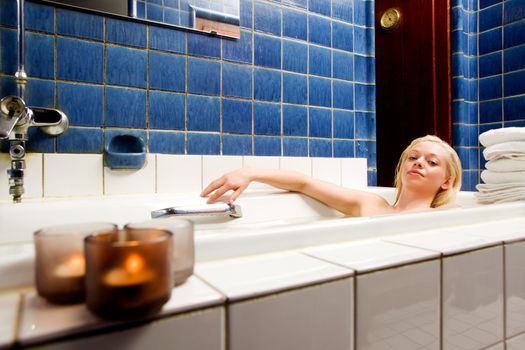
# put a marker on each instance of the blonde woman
(428, 176)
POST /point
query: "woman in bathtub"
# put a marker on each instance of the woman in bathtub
(428, 176)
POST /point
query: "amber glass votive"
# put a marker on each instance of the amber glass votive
(128, 273)
(59, 260)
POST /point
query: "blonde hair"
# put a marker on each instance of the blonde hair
(443, 196)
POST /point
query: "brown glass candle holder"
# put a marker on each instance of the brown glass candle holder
(59, 260)
(128, 273)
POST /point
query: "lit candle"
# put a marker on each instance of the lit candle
(132, 273)
(73, 267)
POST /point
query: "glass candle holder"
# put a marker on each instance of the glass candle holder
(128, 273)
(183, 244)
(59, 260)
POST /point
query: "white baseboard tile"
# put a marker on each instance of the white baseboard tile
(131, 181)
(179, 173)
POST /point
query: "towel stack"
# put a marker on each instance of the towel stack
(504, 178)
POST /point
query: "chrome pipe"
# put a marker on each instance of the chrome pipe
(20, 75)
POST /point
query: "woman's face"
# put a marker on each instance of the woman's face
(425, 168)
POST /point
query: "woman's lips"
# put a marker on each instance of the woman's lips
(415, 172)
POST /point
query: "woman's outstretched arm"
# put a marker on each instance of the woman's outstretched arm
(348, 201)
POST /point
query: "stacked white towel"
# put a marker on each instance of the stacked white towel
(504, 178)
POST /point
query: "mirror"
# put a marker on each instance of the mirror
(219, 17)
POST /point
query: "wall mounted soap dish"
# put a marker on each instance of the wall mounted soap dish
(125, 151)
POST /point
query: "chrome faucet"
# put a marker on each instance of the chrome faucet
(15, 120)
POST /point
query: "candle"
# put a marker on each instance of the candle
(128, 273)
(73, 267)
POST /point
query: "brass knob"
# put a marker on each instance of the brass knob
(390, 19)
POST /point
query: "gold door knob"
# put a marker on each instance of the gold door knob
(390, 19)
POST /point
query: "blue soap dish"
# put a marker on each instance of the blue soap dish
(125, 152)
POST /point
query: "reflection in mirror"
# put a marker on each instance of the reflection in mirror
(220, 17)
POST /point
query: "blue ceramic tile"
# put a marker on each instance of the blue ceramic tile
(171, 16)
(40, 55)
(517, 124)
(7, 86)
(154, 12)
(364, 13)
(344, 148)
(166, 142)
(167, 39)
(267, 51)
(203, 113)
(125, 107)
(365, 69)
(490, 18)
(343, 65)
(514, 58)
(204, 144)
(141, 9)
(38, 17)
(295, 147)
(490, 41)
(295, 120)
(514, 107)
(295, 56)
(463, 155)
(266, 118)
(320, 124)
(185, 18)
(372, 177)
(166, 110)
(295, 24)
(320, 92)
(80, 24)
(40, 93)
(236, 145)
(238, 50)
(456, 18)
(343, 95)
(246, 13)
(80, 140)
(365, 97)
(320, 61)
(363, 40)
(319, 6)
(458, 63)
(267, 18)
(459, 135)
(125, 32)
(459, 112)
(365, 125)
(80, 60)
(456, 44)
(204, 45)
(167, 71)
(40, 142)
(236, 116)
(473, 158)
(514, 34)
(343, 36)
(514, 83)
(490, 64)
(236, 80)
(298, 3)
(81, 103)
(459, 87)
(295, 88)
(344, 124)
(319, 30)
(366, 149)
(342, 9)
(487, 3)
(472, 22)
(266, 146)
(320, 148)
(472, 90)
(514, 11)
(490, 111)
(8, 60)
(490, 88)
(267, 85)
(472, 111)
(204, 76)
(126, 67)
(473, 44)
(8, 12)
(472, 63)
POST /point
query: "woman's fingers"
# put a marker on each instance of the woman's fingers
(236, 194)
(215, 184)
(220, 191)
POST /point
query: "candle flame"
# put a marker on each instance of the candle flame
(134, 263)
(76, 262)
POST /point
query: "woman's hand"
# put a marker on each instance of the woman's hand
(236, 181)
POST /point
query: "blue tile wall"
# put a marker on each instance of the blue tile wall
(299, 82)
(500, 101)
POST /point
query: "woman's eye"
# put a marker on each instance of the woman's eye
(433, 163)
(411, 158)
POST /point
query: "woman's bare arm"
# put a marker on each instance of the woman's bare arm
(348, 201)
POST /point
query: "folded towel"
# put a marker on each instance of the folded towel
(507, 150)
(494, 136)
(500, 188)
(500, 198)
(492, 177)
(506, 165)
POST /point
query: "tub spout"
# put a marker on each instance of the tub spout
(232, 210)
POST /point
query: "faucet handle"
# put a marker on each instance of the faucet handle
(52, 121)
(12, 111)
